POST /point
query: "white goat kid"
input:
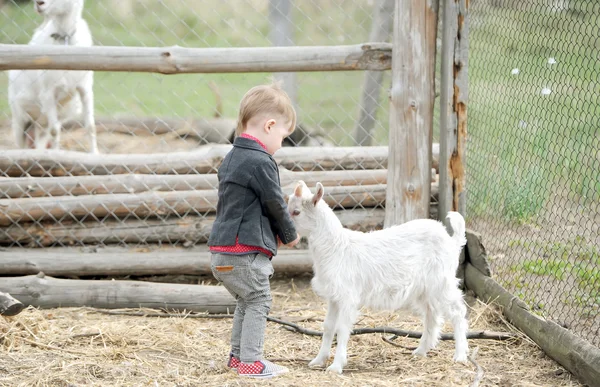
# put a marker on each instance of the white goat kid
(406, 267)
(42, 100)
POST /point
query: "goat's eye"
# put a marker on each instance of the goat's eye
(296, 213)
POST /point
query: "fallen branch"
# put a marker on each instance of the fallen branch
(482, 335)
(389, 341)
(311, 332)
(479, 374)
(53, 348)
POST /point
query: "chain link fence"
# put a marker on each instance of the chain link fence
(534, 153)
(169, 200)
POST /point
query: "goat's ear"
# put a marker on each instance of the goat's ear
(298, 190)
(319, 195)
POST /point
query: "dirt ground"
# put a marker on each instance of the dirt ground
(80, 346)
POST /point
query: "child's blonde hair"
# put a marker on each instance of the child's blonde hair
(265, 99)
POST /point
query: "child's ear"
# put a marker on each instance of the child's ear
(269, 124)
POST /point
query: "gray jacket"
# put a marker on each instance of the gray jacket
(251, 204)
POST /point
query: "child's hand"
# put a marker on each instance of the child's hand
(294, 242)
(278, 242)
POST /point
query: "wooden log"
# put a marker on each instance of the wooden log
(122, 262)
(180, 60)
(9, 306)
(206, 159)
(207, 130)
(453, 106)
(46, 292)
(194, 229)
(157, 203)
(24, 187)
(572, 352)
(411, 110)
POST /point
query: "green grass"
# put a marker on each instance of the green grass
(328, 100)
(576, 258)
(525, 146)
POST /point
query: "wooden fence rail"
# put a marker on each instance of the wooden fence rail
(180, 60)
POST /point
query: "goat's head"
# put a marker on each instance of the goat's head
(302, 206)
(53, 8)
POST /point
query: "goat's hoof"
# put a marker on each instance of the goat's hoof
(420, 352)
(317, 362)
(337, 368)
(462, 358)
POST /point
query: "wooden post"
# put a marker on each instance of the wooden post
(383, 17)
(453, 107)
(281, 34)
(411, 110)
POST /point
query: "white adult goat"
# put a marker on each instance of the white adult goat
(41, 100)
(410, 266)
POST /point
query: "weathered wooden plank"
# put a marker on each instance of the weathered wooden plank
(411, 110)
(180, 60)
(572, 352)
(47, 292)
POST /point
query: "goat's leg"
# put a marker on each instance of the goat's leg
(48, 138)
(328, 332)
(87, 99)
(21, 125)
(457, 312)
(432, 325)
(346, 318)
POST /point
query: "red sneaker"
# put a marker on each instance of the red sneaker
(233, 362)
(260, 369)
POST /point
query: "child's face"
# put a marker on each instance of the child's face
(276, 132)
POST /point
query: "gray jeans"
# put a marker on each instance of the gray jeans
(246, 277)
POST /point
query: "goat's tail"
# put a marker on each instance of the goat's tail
(457, 222)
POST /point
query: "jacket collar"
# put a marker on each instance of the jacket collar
(247, 143)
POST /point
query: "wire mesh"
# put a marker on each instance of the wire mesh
(533, 145)
(534, 153)
(154, 181)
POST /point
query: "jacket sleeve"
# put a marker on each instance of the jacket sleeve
(265, 183)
